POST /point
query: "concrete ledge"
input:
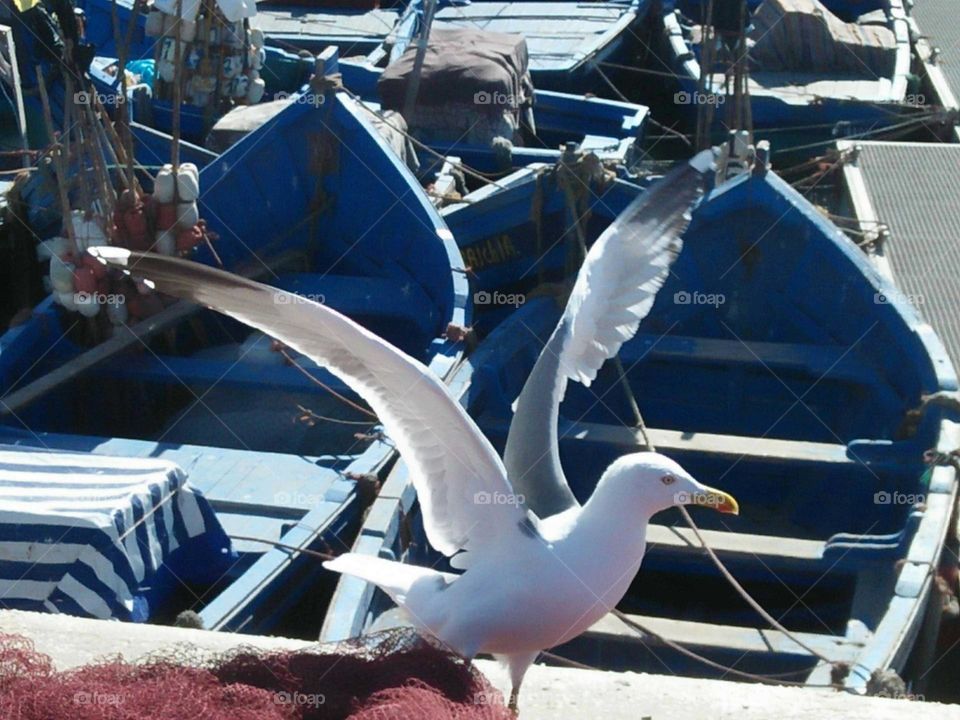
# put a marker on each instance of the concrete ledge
(548, 692)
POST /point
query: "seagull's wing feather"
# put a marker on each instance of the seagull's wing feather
(613, 292)
(453, 466)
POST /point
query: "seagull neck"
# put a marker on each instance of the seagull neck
(608, 511)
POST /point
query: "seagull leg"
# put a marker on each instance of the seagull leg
(517, 664)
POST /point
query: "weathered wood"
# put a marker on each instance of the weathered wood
(767, 547)
(711, 636)
(734, 445)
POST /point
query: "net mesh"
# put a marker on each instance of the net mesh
(392, 675)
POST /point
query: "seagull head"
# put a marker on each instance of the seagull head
(655, 482)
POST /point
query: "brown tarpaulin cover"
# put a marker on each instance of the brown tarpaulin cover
(463, 66)
(803, 36)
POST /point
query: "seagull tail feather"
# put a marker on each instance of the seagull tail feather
(394, 578)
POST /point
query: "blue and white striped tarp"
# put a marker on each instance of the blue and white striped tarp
(86, 534)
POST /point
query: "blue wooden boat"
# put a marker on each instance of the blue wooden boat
(768, 368)
(520, 233)
(284, 72)
(612, 130)
(317, 203)
(796, 104)
(313, 26)
(567, 40)
(288, 26)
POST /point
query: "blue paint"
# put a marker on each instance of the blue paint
(308, 182)
(719, 384)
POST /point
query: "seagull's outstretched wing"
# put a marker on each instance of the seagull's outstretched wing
(454, 468)
(613, 292)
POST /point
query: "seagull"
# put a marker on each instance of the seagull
(537, 568)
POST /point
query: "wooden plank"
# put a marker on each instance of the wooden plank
(764, 547)
(668, 441)
(831, 361)
(710, 636)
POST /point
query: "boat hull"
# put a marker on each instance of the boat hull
(749, 375)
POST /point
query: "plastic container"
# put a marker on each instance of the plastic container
(67, 299)
(54, 247)
(187, 214)
(154, 24)
(61, 276)
(188, 182)
(164, 184)
(255, 93)
(166, 242)
(87, 231)
(188, 8)
(166, 70)
(232, 66)
(239, 87)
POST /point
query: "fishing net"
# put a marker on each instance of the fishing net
(394, 675)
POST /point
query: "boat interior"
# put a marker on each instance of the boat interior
(562, 38)
(269, 438)
(748, 375)
(880, 75)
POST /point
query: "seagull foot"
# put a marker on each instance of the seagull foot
(512, 705)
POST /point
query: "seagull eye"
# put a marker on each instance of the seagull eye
(667, 479)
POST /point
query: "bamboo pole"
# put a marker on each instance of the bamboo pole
(177, 95)
(18, 96)
(61, 166)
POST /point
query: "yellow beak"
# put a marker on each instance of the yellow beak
(718, 500)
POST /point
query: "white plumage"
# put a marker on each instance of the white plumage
(533, 578)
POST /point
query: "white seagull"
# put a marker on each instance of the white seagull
(537, 573)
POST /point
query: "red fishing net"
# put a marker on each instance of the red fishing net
(389, 676)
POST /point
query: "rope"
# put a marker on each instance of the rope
(317, 381)
(909, 124)
(478, 175)
(771, 679)
(733, 582)
(311, 415)
(774, 623)
(284, 546)
(821, 173)
(642, 71)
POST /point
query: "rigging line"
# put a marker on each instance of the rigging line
(772, 679)
(855, 136)
(726, 573)
(668, 130)
(743, 592)
(481, 176)
(303, 370)
(314, 416)
(284, 546)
